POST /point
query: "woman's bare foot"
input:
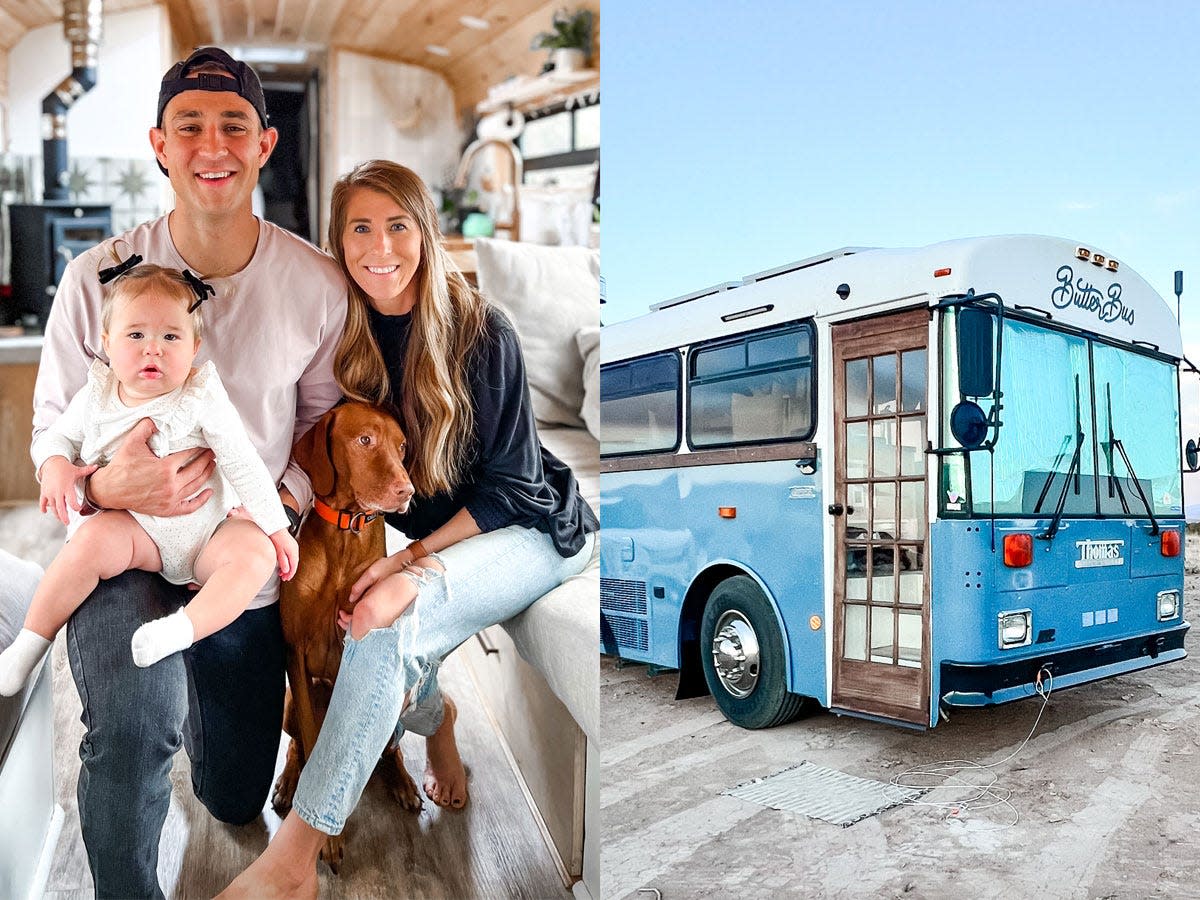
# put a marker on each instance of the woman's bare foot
(287, 869)
(445, 776)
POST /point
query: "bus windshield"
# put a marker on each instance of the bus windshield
(1071, 405)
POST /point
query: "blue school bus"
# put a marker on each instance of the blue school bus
(893, 482)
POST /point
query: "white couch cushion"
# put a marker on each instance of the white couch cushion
(588, 340)
(550, 293)
(559, 635)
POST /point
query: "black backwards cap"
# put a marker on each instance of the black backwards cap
(242, 81)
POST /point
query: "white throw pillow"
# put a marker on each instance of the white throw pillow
(550, 293)
(588, 340)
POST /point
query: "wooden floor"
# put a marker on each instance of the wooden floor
(492, 849)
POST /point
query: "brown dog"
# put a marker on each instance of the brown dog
(354, 455)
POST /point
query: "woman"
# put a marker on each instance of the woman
(499, 520)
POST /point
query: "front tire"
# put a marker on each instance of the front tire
(742, 653)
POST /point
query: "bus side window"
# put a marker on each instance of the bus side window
(639, 405)
(757, 388)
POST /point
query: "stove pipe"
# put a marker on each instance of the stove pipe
(82, 27)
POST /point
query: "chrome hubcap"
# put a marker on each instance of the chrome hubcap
(735, 654)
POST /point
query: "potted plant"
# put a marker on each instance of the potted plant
(569, 40)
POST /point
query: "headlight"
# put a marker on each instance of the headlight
(1168, 605)
(1016, 628)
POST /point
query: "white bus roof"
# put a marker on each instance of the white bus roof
(1040, 274)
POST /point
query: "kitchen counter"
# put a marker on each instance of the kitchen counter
(462, 251)
(18, 371)
(23, 349)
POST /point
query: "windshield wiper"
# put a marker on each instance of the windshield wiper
(1072, 471)
(1062, 451)
(1114, 441)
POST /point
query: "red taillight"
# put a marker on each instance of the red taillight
(1170, 543)
(1018, 550)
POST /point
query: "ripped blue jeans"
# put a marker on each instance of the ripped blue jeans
(388, 680)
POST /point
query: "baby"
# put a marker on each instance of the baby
(151, 332)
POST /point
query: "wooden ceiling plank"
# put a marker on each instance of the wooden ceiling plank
(400, 29)
(305, 23)
(352, 27)
(263, 15)
(35, 14)
(446, 27)
(12, 29)
(279, 32)
(234, 21)
(410, 28)
(322, 21)
(183, 23)
(503, 17)
(215, 33)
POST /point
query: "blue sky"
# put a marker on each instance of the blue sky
(741, 136)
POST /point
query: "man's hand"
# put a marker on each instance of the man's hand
(58, 493)
(287, 553)
(136, 479)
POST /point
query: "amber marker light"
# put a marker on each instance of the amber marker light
(939, 273)
(1018, 550)
(727, 512)
(1170, 543)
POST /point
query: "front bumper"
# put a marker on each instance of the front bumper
(985, 684)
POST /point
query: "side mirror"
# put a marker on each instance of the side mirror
(968, 424)
(976, 344)
(1191, 455)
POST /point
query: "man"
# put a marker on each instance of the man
(272, 328)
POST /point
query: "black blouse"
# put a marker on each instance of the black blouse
(511, 478)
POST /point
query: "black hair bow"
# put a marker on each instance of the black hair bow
(202, 289)
(114, 272)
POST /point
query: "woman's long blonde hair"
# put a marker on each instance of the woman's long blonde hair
(448, 320)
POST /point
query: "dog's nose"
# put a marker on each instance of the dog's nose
(402, 487)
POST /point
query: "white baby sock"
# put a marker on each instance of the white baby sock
(19, 660)
(162, 637)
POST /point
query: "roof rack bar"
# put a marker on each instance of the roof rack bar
(695, 295)
(804, 264)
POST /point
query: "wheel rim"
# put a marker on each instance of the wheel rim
(736, 654)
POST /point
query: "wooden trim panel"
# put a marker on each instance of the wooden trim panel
(758, 453)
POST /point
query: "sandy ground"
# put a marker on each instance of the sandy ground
(1104, 800)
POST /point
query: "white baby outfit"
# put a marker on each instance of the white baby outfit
(196, 414)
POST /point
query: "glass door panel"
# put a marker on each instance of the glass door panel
(880, 403)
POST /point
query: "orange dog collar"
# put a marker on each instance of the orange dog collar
(346, 521)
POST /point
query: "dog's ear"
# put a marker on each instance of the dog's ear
(312, 454)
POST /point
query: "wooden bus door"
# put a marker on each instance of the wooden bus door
(881, 591)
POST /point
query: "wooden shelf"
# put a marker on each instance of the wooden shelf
(525, 93)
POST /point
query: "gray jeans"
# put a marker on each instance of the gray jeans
(222, 700)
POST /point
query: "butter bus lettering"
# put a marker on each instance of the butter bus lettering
(1082, 294)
